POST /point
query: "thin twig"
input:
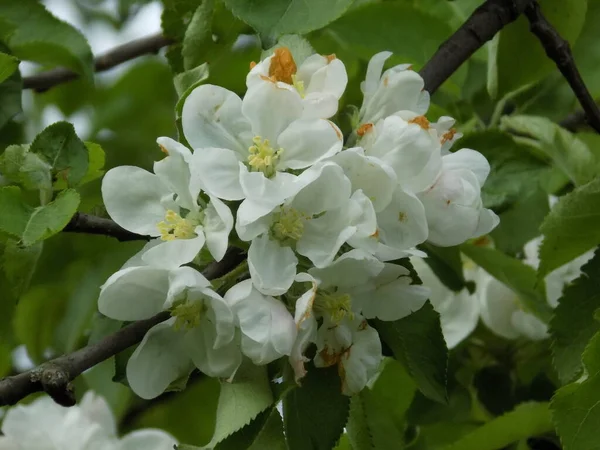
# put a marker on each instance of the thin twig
(151, 44)
(573, 121)
(85, 223)
(54, 377)
(480, 27)
(559, 51)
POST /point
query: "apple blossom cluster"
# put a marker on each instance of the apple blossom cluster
(499, 308)
(323, 222)
(43, 424)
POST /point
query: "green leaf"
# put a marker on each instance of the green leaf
(272, 18)
(299, 47)
(417, 341)
(97, 159)
(39, 36)
(571, 228)
(190, 416)
(586, 52)
(68, 156)
(35, 224)
(10, 98)
(241, 401)
(19, 165)
(389, 26)
(377, 414)
(446, 264)
(575, 406)
(8, 64)
(520, 59)
(526, 420)
(521, 222)
(515, 274)
(514, 171)
(19, 264)
(573, 323)
(197, 34)
(569, 153)
(264, 432)
(315, 413)
(186, 82)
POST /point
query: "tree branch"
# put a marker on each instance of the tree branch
(484, 23)
(85, 223)
(151, 44)
(559, 51)
(573, 121)
(54, 377)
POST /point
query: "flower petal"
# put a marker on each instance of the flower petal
(97, 410)
(373, 176)
(221, 362)
(402, 224)
(498, 304)
(268, 329)
(212, 117)
(252, 220)
(306, 324)
(307, 141)
(216, 170)
(270, 108)
(133, 198)
(134, 293)
(269, 192)
(325, 188)
(174, 172)
(353, 268)
(147, 439)
(218, 222)
(272, 267)
(468, 159)
(175, 253)
(160, 359)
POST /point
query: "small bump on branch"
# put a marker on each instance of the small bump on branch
(559, 51)
(151, 44)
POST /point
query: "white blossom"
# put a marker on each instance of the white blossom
(319, 80)
(90, 425)
(200, 332)
(167, 204)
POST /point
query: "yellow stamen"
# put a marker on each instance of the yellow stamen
(175, 227)
(263, 158)
(188, 314)
(288, 225)
(364, 129)
(335, 306)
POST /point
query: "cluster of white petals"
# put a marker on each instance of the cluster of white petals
(45, 425)
(500, 308)
(323, 224)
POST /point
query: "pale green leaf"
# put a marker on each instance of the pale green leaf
(569, 153)
(272, 18)
(520, 59)
(417, 341)
(571, 228)
(573, 323)
(377, 414)
(64, 151)
(39, 36)
(31, 224)
(241, 401)
(97, 159)
(8, 64)
(575, 406)
(515, 274)
(19, 264)
(526, 420)
(315, 413)
(20, 166)
(197, 34)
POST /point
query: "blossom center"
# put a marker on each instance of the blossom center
(188, 314)
(288, 225)
(176, 227)
(263, 158)
(336, 306)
